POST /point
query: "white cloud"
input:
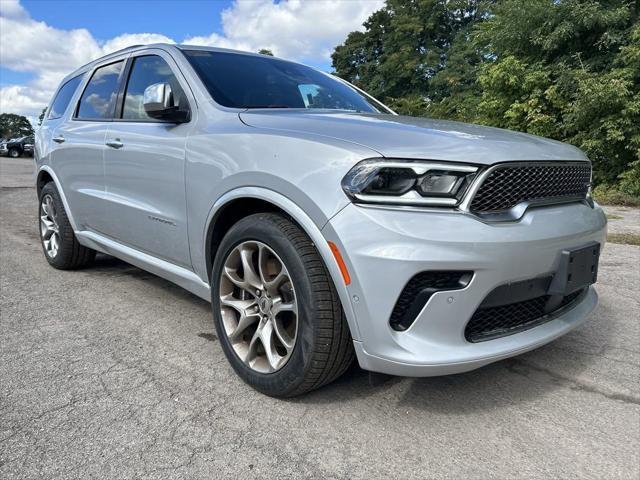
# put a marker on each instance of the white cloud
(295, 29)
(129, 39)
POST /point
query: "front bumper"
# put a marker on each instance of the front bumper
(385, 248)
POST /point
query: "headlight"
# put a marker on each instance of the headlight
(407, 182)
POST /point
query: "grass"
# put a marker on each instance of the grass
(611, 216)
(624, 238)
(605, 195)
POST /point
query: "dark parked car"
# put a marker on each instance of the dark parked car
(17, 147)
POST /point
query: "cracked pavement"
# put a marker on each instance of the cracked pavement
(111, 372)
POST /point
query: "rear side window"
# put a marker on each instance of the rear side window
(98, 101)
(61, 102)
(146, 71)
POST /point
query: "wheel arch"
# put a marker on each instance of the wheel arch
(46, 175)
(43, 178)
(241, 202)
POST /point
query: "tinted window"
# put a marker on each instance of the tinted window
(246, 81)
(61, 102)
(146, 71)
(99, 98)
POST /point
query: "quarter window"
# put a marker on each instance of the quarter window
(146, 71)
(98, 100)
(61, 102)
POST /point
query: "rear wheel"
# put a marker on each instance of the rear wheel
(277, 314)
(60, 245)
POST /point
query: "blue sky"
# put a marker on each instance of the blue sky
(173, 18)
(43, 40)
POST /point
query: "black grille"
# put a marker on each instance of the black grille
(493, 322)
(511, 184)
(419, 289)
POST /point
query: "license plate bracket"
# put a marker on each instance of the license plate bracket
(578, 269)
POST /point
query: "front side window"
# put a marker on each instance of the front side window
(98, 100)
(146, 71)
(247, 81)
(61, 102)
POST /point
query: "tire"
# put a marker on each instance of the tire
(14, 153)
(69, 254)
(322, 347)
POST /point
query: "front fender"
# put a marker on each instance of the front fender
(310, 228)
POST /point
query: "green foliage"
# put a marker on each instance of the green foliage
(265, 51)
(12, 126)
(607, 195)
(413, 47)
(41, 116)
(630, 180)
(564, 69)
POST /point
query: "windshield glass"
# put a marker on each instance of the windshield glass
(246, 81)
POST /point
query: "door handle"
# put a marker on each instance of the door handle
(58, 139)
(116, 143)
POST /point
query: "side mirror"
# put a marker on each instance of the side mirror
(159, 103)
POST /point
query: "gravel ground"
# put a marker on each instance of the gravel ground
(623, 220)
(111, 372)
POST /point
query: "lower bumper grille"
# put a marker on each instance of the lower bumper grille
(499, 321)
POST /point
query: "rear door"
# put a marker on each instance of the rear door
(57, 113)
(78, 159)
(145, 162)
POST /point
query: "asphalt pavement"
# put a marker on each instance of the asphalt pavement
(111, 372)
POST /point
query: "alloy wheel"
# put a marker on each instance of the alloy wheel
(49, 229)
(258, 306)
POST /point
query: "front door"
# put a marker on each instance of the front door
(144, 167)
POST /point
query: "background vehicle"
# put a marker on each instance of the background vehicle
(17, 147)
(321, 225)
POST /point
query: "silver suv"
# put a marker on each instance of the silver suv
(321, 225)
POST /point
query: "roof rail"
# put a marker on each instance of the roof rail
(125, 48)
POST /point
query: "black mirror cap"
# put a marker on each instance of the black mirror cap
(171, 114)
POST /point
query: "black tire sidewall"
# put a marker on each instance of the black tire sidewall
(12, 151)
(66, 235)
(292, 374)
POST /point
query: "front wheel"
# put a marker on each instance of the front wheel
(276, 311)
(14, 153)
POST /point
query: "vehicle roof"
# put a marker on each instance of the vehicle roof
(162, 46)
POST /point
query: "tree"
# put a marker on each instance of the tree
(568, 70)
(41, 116)
(265, 51)
(406, 48)
(12, 126)
(565, 69)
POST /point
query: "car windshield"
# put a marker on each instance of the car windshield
(248, 81)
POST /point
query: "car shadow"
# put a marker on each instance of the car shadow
(520, 379)
(515, 380)
(108, 266)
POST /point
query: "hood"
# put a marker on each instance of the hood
(397, 136)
